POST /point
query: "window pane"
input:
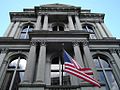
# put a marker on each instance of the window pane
(25, 30)
(112, 81)
(23, 35)
(16, 81)
(22, 64)
(102, 79)
(97, 64)
(104, 63)
(13, 64)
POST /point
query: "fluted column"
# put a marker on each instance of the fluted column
(89, 57)
(14, 29)
(106, 29)
(6, 34)
(101, 30)
(78, 22)
(29, 72)
(70, 21)
(40, 76)
(45, 23)
(38, 23)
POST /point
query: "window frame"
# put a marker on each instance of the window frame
(24, 34)
(104, 70)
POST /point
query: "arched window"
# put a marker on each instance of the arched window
(58, 76)
(14, 74)
(105, 73)
(90, 29)
(25, 30)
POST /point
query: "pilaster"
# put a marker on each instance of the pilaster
(45, 23)
(6, 34)
(101, 30)
(38, 23)
(40, 76)
(70, 21)
(2, 55)
(29, 72)
(115, 56)
(78, 22)
(89, 57)
(14, 29)
(106, 30)
(79, 59)
(3, 64)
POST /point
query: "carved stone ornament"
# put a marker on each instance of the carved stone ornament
(4, 50)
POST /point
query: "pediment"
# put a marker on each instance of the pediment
(57, 6)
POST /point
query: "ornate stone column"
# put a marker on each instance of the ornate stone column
(106, 30)
(40, 76)
(38, 23)
(78, 57)
(29, 72)
(78, 22)
(70, 21)
(14, 29)
(101, 30)
(45, 23)
(116, 58)
(89, 57)
(6, 34)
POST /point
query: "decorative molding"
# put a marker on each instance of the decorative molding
(85, 43)
(113, 50)
(33, 43)
(4, 50)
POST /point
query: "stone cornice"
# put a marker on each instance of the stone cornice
(92, 15)
(63, 34)
(108, 41)
(22, 15)
(12, 41)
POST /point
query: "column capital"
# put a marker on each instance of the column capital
(118, 50)
(33, 43)
(40, 14)
(4, 50)
(112, 50)
(75, 43)
(45, 13)
(42, 42)
(85, 43)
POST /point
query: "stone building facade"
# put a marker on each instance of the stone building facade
(31, 49)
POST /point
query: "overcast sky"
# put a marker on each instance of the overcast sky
(111, 8)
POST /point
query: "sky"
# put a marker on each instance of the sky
(111, 9)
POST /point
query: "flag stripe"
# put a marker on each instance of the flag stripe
(72, 67)
(84, 78)
(79, 72)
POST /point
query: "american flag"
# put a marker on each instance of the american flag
(72, 67)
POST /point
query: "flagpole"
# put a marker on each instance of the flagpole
(62, 61)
